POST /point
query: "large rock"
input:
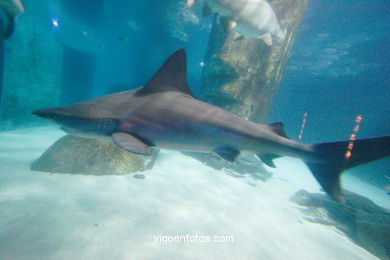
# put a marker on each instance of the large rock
(72, 154)
(363, 221)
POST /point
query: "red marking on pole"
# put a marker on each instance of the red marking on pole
(348, 155)
(352, 139)
(303, 125)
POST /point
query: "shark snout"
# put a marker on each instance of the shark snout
(44, 113)
(50, 115)
(53, 115)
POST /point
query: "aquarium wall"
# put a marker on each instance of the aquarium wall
(119, 48)
(32, 68)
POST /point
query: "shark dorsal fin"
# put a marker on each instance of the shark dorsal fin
(172, 76)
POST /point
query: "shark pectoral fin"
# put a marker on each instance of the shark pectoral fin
(227, 153)
(226, 23)
(267, 39)
(190, 3)
(268, 158)
(131, 143)
(206, 10)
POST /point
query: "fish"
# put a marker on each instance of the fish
(250, 18)
(12, 9)
(164, 114)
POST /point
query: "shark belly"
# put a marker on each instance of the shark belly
(187, 136)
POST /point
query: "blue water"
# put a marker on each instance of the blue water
(157, 28)
(339, 68)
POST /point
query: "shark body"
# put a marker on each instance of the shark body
(11, 9)
(250, 18)
(165, 114)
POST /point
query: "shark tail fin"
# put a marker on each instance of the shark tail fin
(334, 158)
(9, 27)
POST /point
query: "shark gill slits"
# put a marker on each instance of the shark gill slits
(104, 126)
(107, 126)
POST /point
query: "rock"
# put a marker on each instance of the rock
(363, 221)
(373, 231)
(139, 176)
(72, 154)
(318, 215)
(249, 164)
(245, 164)
(209, 159)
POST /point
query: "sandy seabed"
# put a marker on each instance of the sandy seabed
(65, 216)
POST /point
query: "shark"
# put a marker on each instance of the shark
(12, 9)
(164, 114)
(250, 18)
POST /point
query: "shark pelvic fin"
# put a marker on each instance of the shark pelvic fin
(228, 153)
(172, 76)
(268, 158)
(131, 143)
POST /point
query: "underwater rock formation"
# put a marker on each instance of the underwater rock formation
(242, 75)
(246, 164)
(72, 154)
(359, 218)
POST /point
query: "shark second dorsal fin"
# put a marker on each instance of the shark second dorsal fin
(278, 128)
(172, 76)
